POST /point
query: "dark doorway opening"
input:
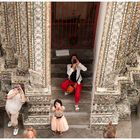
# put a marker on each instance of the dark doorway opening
(74, 24)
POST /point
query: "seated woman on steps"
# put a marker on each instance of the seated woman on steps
(74, 78)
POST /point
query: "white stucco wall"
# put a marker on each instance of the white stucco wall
(98, 39)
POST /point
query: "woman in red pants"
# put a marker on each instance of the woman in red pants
(74, 76)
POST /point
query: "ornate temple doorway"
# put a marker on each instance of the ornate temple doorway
(73, 28)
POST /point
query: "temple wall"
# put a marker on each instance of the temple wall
(98, 38)
(39, 19)
(26, 30)
(14, 34)
(120, 25)
(117, 63)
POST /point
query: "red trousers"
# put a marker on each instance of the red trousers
(78, 89)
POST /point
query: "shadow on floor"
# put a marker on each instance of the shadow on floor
(135, 125)
(1, 123)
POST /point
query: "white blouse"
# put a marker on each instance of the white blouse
(14, 104)
(78, 68)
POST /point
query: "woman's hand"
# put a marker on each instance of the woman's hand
(11, 96)
(74, 66)
(77, 61)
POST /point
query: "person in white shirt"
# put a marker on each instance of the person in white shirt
(14, 102)
(74, 77)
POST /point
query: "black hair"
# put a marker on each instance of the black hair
(57, 101)
(74, 61)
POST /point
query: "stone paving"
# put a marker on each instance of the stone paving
(1, 123)
(123, 131)
(135, 126)
(71, 133)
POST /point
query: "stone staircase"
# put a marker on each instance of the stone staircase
(37, 112)
(79, 119)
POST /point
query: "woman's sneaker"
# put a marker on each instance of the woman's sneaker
(9, 124)
(15, 132)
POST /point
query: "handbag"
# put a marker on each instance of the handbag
(71, 87)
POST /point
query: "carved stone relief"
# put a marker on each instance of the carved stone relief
(110, 41)
(22, 66)
(26, 35)
(39, 52)
(123, 26)
(14, 31)
(39, 38)
(10, 61)
(117, 56)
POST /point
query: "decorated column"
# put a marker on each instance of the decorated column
(39, 36)
(116, 58)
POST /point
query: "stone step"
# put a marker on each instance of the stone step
(65, 60)
(81, 53)
(104, 109)
(64, 75)
(38, 108)
(36, 120)
(61, 68)
(69, 101)
(73, 118)
(67, 114)
(69, 107)
(85, 88)
(85, 96)
(84, 126)
(56, 83)
(78, 120)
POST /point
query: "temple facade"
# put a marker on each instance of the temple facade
(26, 57)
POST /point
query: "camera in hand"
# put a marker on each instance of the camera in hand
(74, 61)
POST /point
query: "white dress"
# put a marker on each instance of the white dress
(59, 124)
